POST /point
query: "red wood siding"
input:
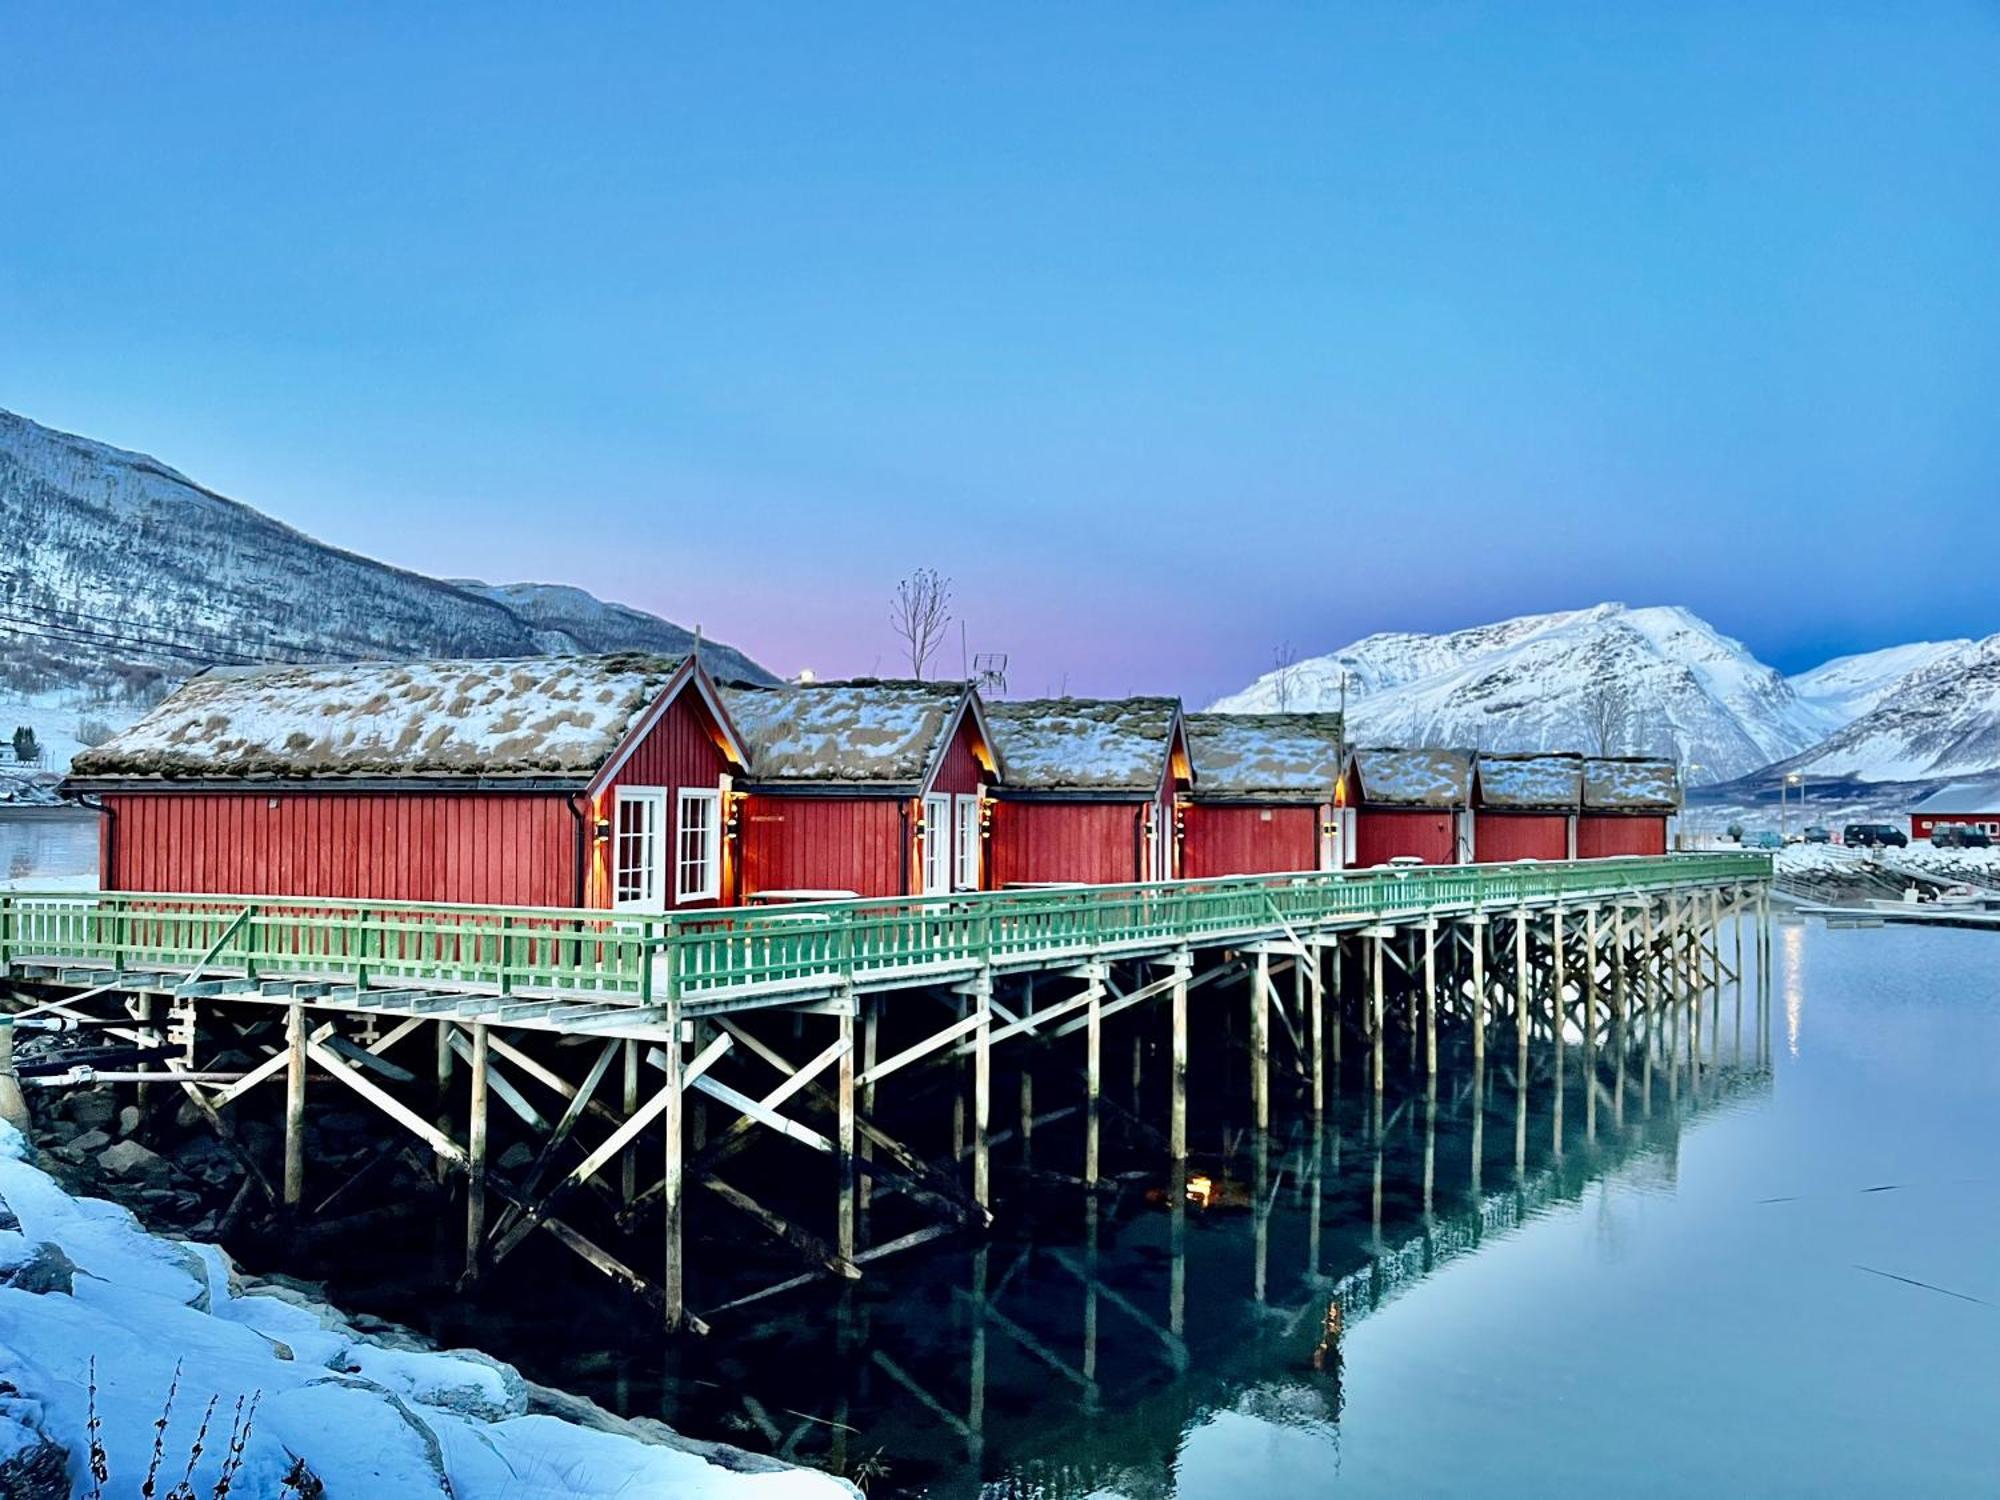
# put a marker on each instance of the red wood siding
(502, 849)
(1249, 840)
(960, 774)
(1501, 836)
(1382, 834)
(1921, 826)
(825, 843)
(1097, 842)
(1600, 835)
(682, 750)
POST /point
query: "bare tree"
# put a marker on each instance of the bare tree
(1604, 717)
(920, 612)
(1284, 675)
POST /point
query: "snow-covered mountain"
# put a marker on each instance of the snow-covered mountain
(565, 618)
(1939, 720)
(1609, 679)
(119, 575)
(1849, 686)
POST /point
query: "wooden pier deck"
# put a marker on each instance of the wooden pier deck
(707, 1004)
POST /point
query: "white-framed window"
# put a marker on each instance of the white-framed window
(965, 868)
(698, 844)
(638, 849)
(937, 845)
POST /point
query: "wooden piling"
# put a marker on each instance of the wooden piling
(628, 1167)
(1093, 1078)
(1479, 989)
(1260, 1042)
(1430, 998)
(1177, 1126)
(982, 1088)
(475, 1152)
(295, 1104)
(1375, 1060)
(673, 1273)
(847, 1206)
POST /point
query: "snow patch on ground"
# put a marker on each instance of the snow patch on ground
(368, 1419)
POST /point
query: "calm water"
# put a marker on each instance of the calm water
(1779, 1275)
(46, 844)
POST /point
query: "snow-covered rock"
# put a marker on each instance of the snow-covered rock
(367, 1416)
(1940, 720)
(1606, 680)
(123, 575)
(1849, 686)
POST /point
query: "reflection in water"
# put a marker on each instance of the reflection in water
(1077, 1350)
(1795, 982)
(1072, 1354)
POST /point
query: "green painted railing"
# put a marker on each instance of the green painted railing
(540, 951)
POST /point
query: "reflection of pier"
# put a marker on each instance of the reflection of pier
(832, 1075)
(1076, 1359)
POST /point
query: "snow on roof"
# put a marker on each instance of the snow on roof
(1414, 778)
(1980, 796)
(1084, 744)
(1269, 755)
(1631, 784)
(1532, 780)
(863, 732)
(556, 716)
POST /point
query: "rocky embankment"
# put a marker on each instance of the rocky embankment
(125, 1352)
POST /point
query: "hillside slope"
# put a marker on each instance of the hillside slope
(119, 575)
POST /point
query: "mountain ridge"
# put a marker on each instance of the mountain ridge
(1607, 679)
(119, 575)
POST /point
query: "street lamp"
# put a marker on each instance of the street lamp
(1792, 778)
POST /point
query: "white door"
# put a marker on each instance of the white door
(639, 849)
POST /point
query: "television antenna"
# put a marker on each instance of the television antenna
(989, 673)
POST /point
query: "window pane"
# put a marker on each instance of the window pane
(697, 873)
(635, 855)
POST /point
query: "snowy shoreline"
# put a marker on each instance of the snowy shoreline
(370, 1415)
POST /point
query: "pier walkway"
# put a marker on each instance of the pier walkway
(791, 1019)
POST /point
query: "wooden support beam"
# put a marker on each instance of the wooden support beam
(579, 1101)
(446, 1148)
(475, 1151)
(811, 1246)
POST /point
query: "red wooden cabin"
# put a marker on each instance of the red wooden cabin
(1406, 804)
(1962, 804)
(1525, 806)
(1628, 805)
(553, 781)
(862, 788)
(1264, 790)
(1090, 790)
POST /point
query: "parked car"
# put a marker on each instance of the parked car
(1765, 840)
(1960, 836)
(1818, 833)
(1874, 836)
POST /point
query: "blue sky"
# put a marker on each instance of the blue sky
(1169, 332)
